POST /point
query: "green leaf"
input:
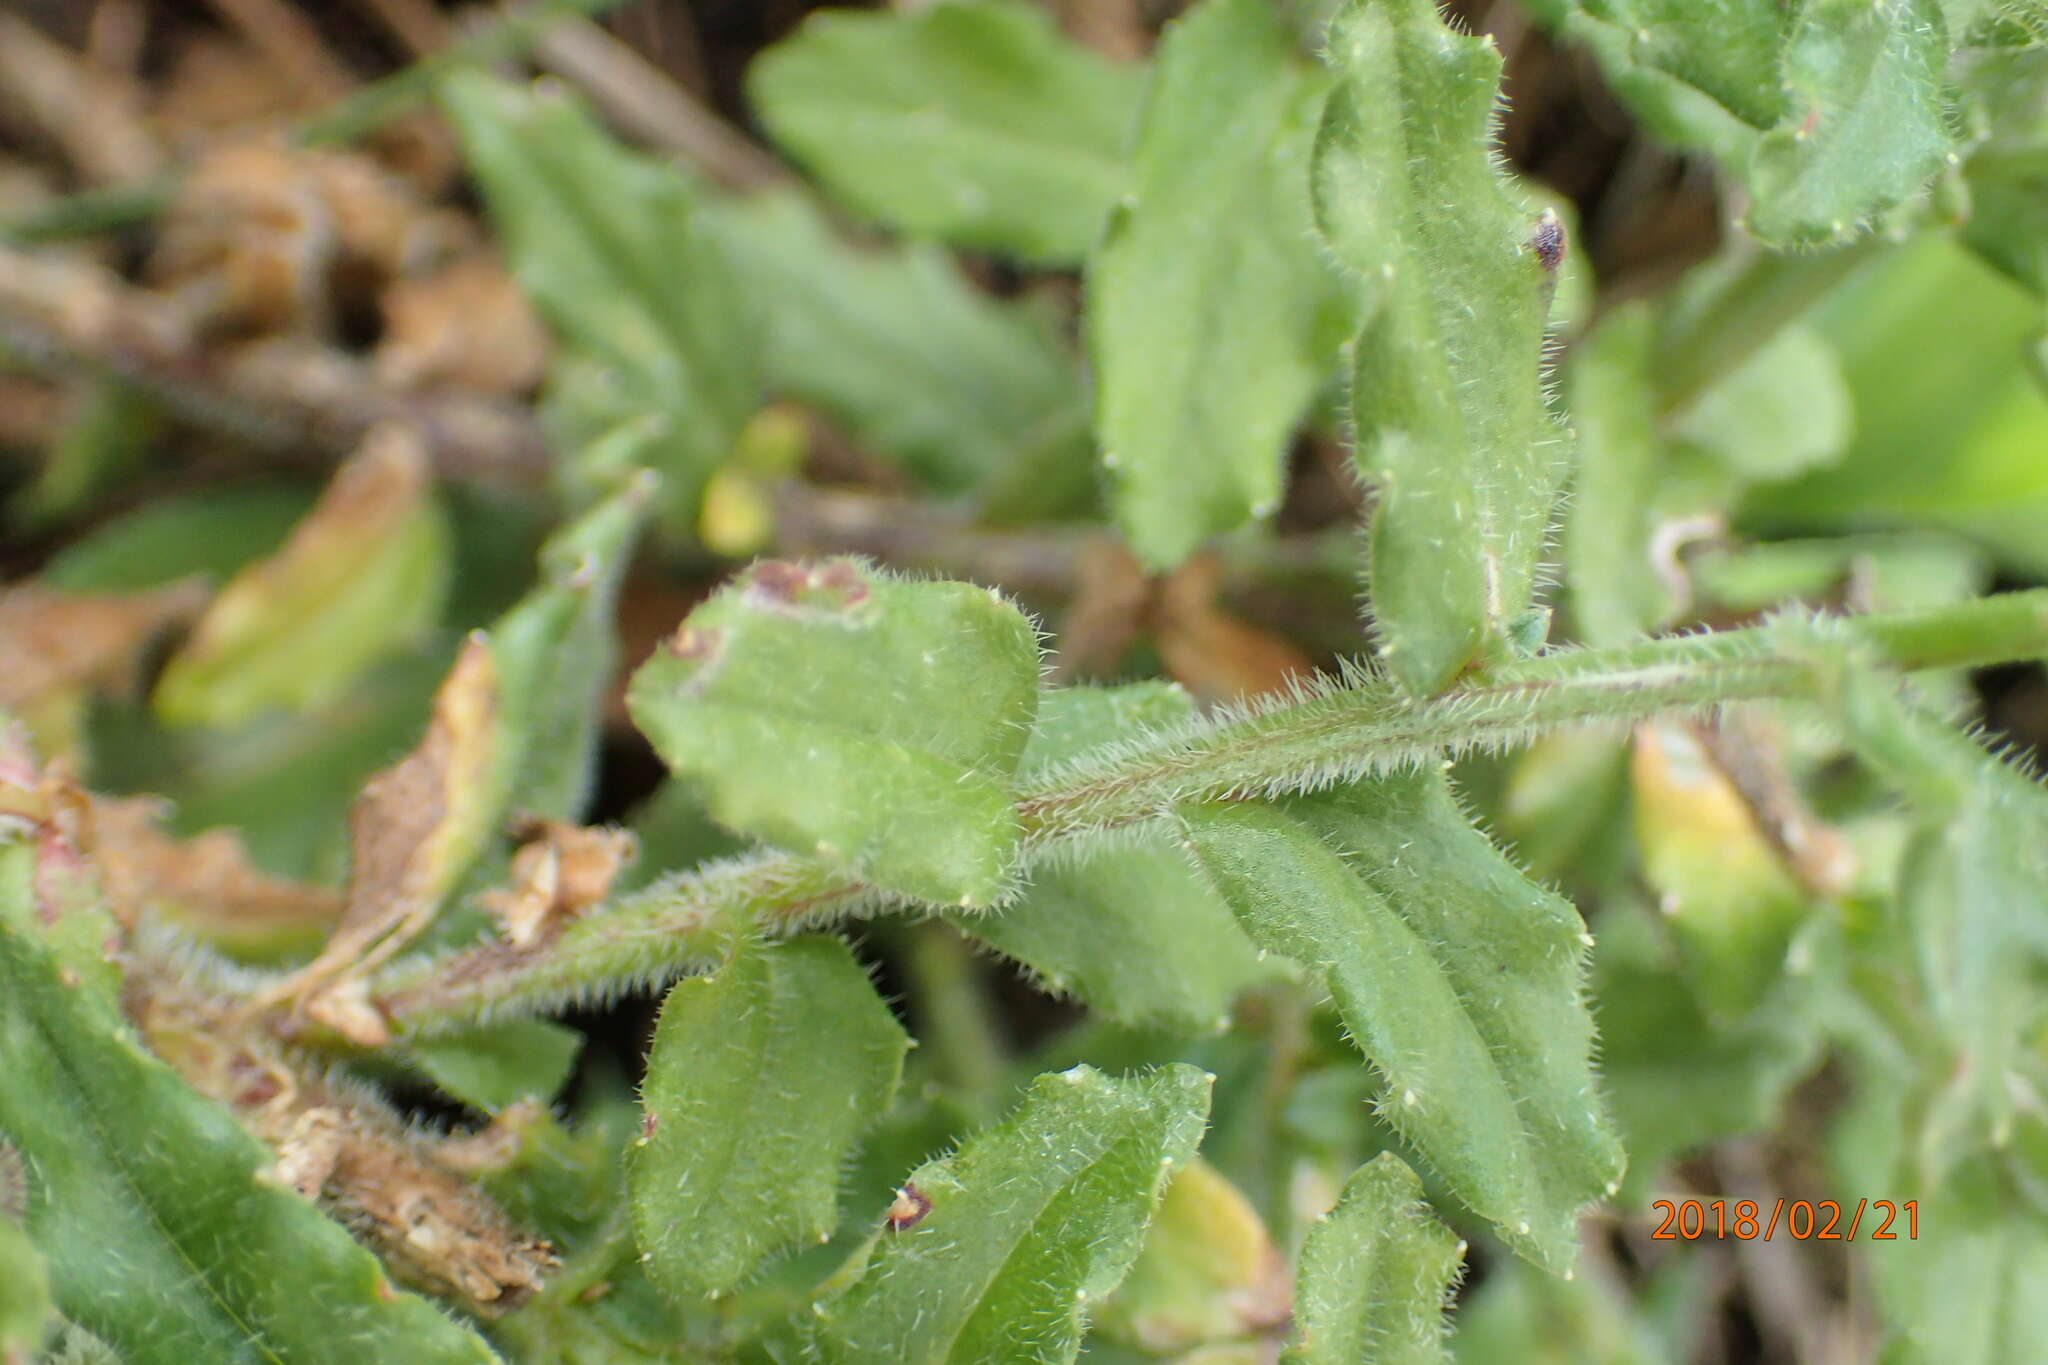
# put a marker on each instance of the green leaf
(1375, 1274)
(872, 721)
(617, 253)
(493, 1067)
(1676, 1078)
(970, 394)
(761, 1080)
(1131, 928)
(362, 576)
(107, 433)
(1212, 320)
(1966, 1289)
(975, 123)
(1023, 1229)
(1832, 112)
(1726, 49)
(1868, 124)
(163, 1236)
(26, 1310)
(1517, 1317)
(1973, 889)
(1457, 976)
(1615, 595)
(1785, 410)
(1209, 1272)
(2007, 170)
(555, 654)
(1950, 418)
(1731, 903)
(1446, 385)
(216, 531)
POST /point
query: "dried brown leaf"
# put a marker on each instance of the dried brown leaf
(1216, 655)
(410, 833)
(265, 237)
(339, 1144)
(206, 884)
(52, 640)
(559, 871)
(467, 326)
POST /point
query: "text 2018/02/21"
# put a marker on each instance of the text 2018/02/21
(1692, 1220)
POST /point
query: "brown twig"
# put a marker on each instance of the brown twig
(286, 396)
(115, 35)
(288, 37)
(423, 29)
(648, 106)
(93, 114)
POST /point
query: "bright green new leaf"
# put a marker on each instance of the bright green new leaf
(362, 576)
(976, 123)
(1212, 319)
(162, 1233)
(1375, 1275)
(762, 1078)
(972, 395)
(1447, 381)
(873, 722)
(1130, 928)
(996, 1254)
(1457, 976)
(616, 252)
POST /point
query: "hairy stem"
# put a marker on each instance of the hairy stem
(1347, 731)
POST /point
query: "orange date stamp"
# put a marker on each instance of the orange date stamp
(1802, 1220)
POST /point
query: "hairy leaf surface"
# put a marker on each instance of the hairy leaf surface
(1212, 318)
(873, 722)
(975, 123)
(1131, 928)
(1023, 1229)
(1447, 397)
(1375, 1274)
(761, 1080)
(162, 1234)
(1457, 976)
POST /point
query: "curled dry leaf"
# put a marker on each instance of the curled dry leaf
(559, 871)
(466, 326)
(339, 1145)
(410, 834)
(207, 884)
(55, 640)
(265, 237)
